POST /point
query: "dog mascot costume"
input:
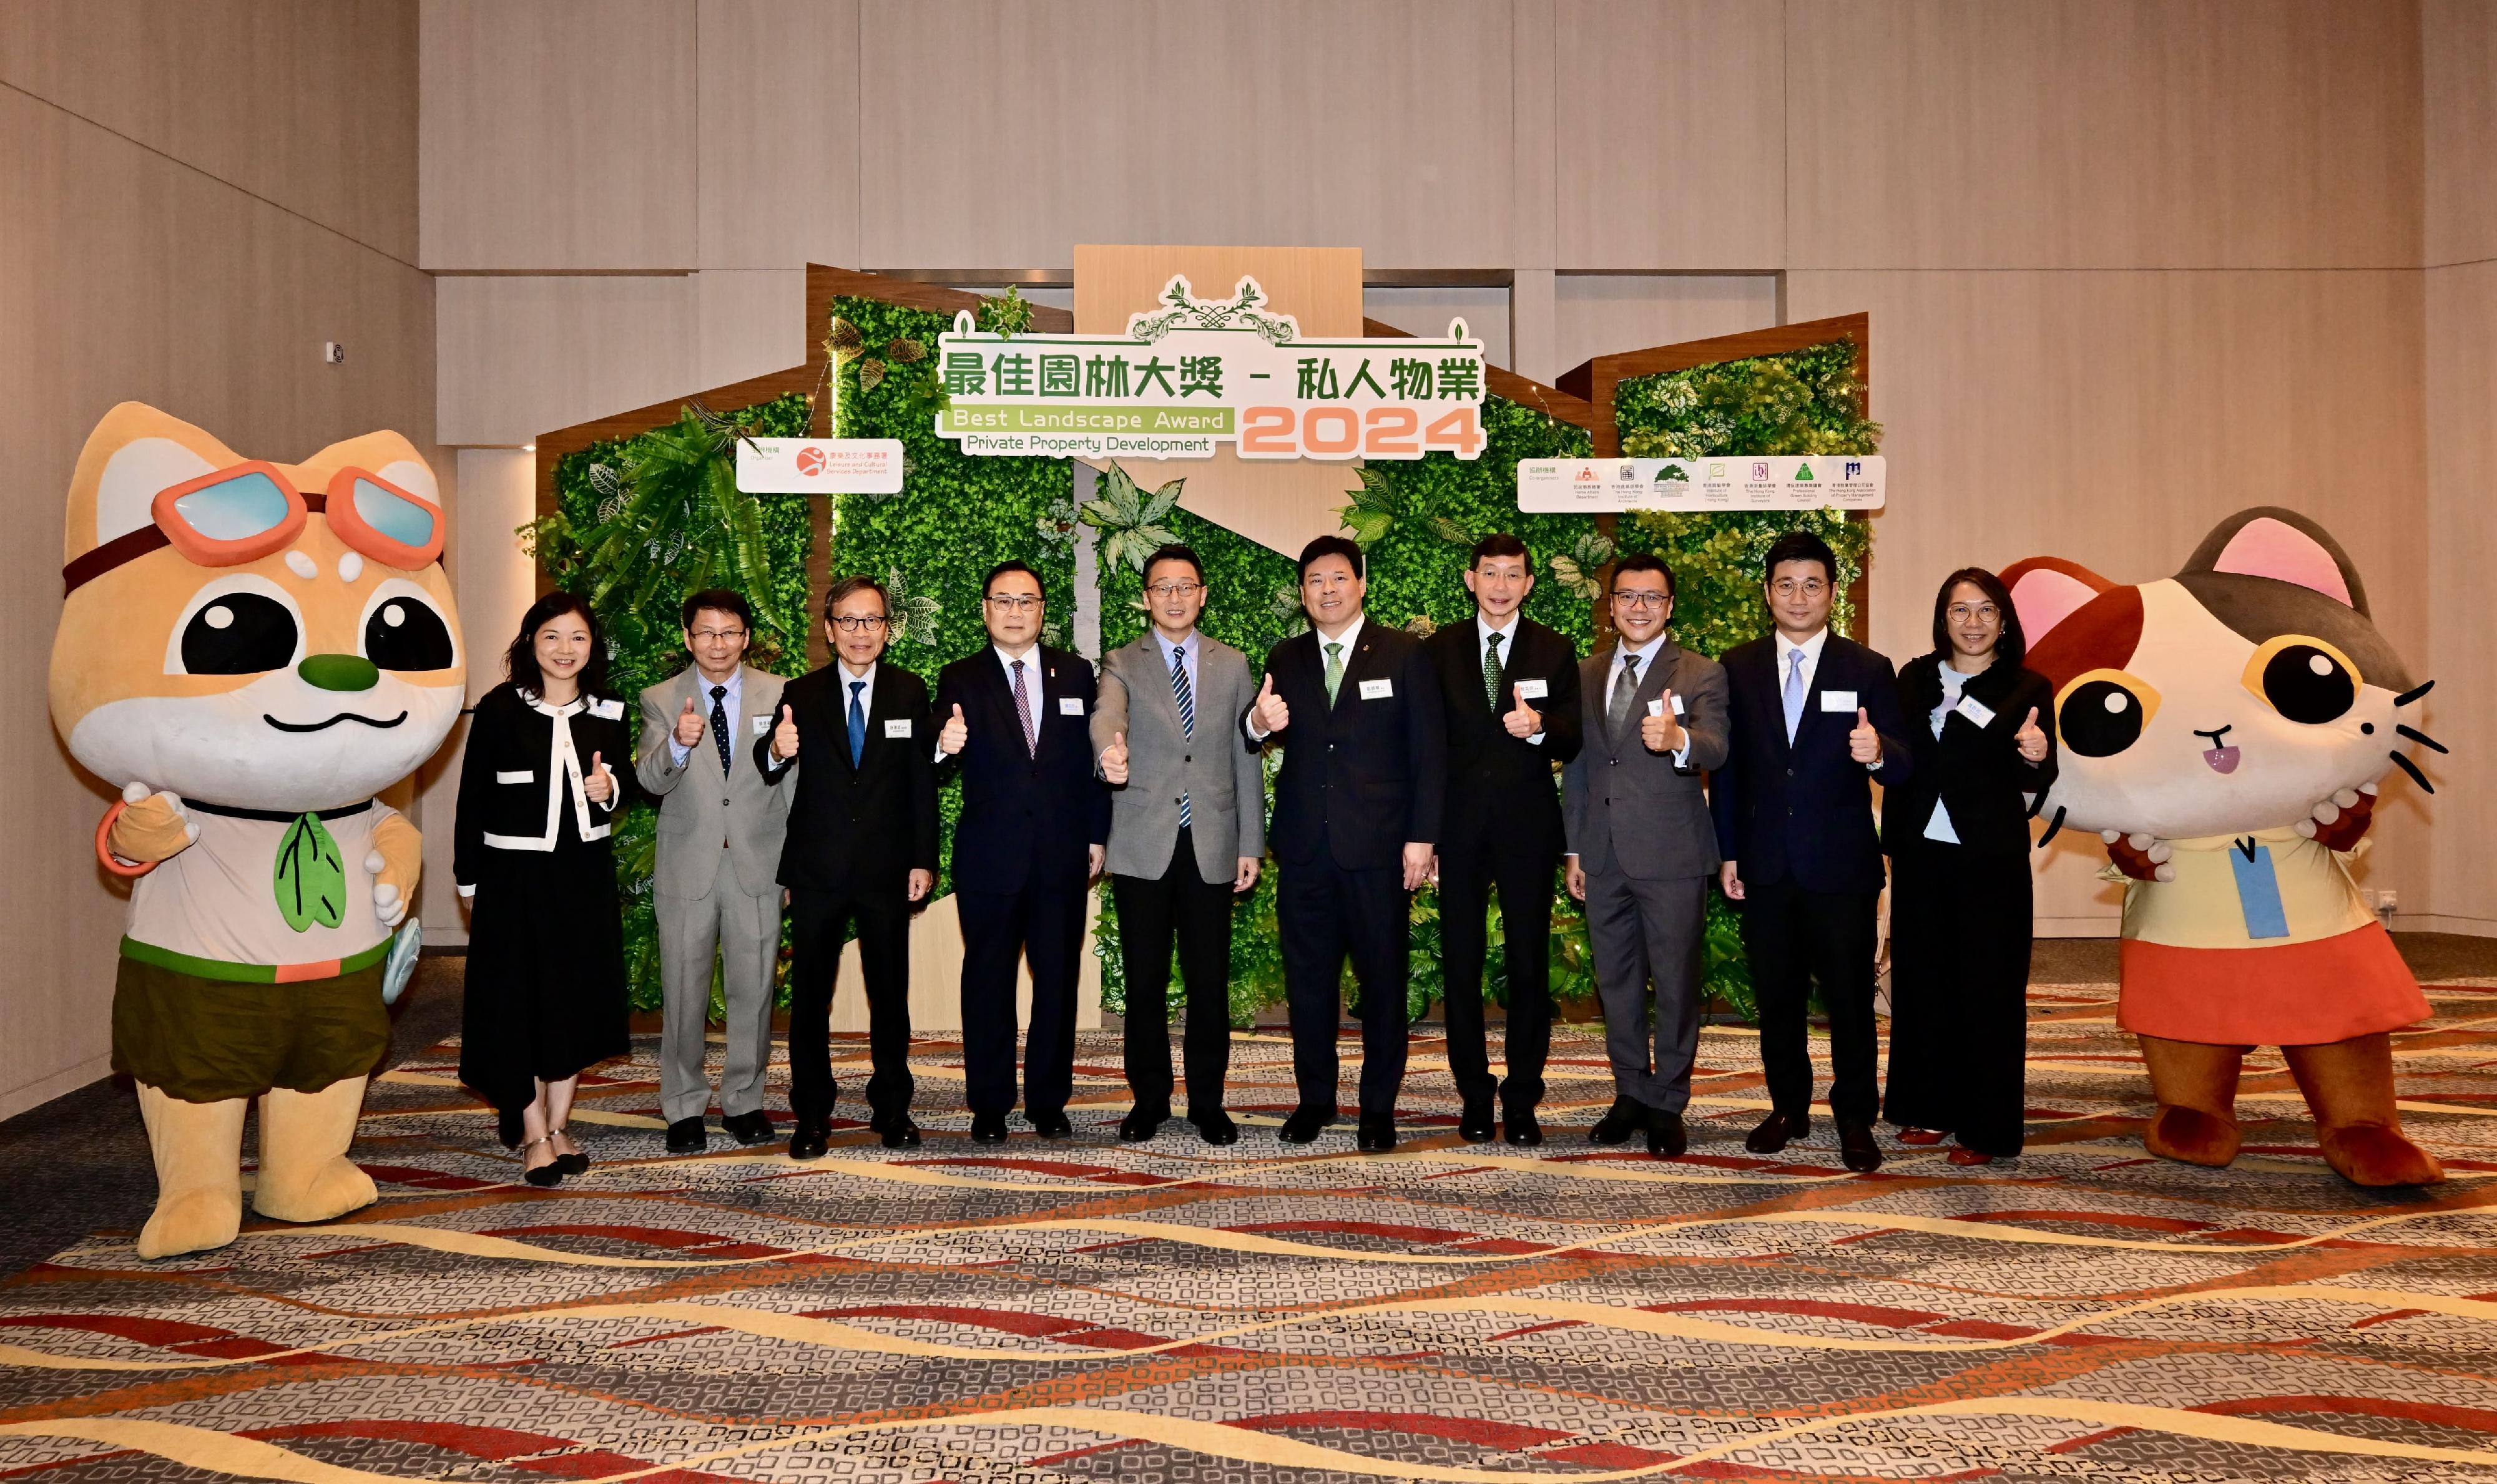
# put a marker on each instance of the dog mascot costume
(252, 651)
(2224, 729)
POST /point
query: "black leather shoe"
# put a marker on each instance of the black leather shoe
(898, 1132)
(507, 1127)
(988, 1128)
(1305, 1124)
(811, 1139)
(1141, 1124)
(1625, 1118)
(1774, 1132)
(748, 1129)
(1051, 1125)
(1474, 1124)
(1378, 1135)
(687, 1136)
(1215, 1127)
(1666, 1137)
(1855, 1147)
(1519, 1128)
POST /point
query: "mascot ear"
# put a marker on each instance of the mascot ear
(2046, 590)
(133, 452)
(2283, 546)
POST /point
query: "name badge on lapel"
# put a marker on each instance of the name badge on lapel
(1070, 706)
(606, 711)
(898, 726)
(762, 726)
(1377, 690)
(1838, 700)
(1533, 691)
(1975, 710)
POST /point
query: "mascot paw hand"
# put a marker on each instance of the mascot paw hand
(2142, 857)
(389, 901)
(151, 826)
(2340, 820)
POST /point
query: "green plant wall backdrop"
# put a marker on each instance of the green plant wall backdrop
(640, 522)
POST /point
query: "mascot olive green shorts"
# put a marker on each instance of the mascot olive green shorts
(206, 1040)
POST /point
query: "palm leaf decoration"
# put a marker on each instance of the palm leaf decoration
(1129, 518)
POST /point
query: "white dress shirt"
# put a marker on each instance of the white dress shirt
(1938, 827)
(1810, 649)
(1646, 653)
(1507, 649)
(730, 702)
(1188, 652)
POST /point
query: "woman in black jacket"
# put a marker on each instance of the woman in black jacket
(548, 765)
(1957, 833)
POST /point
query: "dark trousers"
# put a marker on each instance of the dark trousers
(1794, 936)
(1326, 912)
(816, 923)
(1960, 932)
(1046, 925)
(1180, 904)
(1467, 879)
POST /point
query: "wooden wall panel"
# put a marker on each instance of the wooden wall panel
(1605, 314)
(127, 274)
(778, 119)
(2114, 418)
(2458, 42)
(522, 354)
(304, 102)
(1672, 134)
(556, 135)
(748, 321)
(1930, 134)
(2459, 538)
(1295, 122)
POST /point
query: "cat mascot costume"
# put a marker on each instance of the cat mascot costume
(252, 652)
(2224, 729)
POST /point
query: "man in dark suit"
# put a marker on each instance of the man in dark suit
(1355, 707)
(861, 849)
(1510, 688)
(1018, 719)
(1815, 719)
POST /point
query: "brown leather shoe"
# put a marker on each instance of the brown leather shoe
(1774, 1132)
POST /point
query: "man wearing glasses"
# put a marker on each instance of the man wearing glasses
(722, 825)
(1017, 721)
(862, 849)
(1815, 721)
(1188, 832)
(1641, 849)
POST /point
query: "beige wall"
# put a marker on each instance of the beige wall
(200, 194)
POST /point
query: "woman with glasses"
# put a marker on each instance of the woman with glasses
(1957, 833)
(548, 765)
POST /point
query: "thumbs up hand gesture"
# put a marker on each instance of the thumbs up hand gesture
(1114, 759)
(598, 786)
(1523, 722)
(1864, 745)
(2030, 740)
(951, 738)
(784, 734)
(1268, 715)
(1661, 732)
(690, 725)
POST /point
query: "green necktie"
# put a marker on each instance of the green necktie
(1491, 671)
(1334, 670)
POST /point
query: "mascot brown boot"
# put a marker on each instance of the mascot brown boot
(199, 1184)
(2350, 1087)
(2196, 1087)
(304, 1172)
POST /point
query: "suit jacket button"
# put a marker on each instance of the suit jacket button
(724, 803)
(1189, 758)
(1790, 772)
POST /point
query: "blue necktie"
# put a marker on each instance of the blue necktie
(1793, 692)
(1186, 699)
(858, 725)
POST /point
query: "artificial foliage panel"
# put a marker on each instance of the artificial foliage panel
(639, 523)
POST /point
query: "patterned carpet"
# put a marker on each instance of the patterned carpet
(1094, 1312)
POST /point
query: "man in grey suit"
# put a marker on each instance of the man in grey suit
(717, 883)
(1642, 848)
(1188, 831)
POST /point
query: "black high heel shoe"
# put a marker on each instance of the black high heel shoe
(507, 1127)
(545, 1175)
(573, 1163)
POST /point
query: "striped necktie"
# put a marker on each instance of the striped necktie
(1186, 696)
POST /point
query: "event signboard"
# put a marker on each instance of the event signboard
(819, 465)
(1193, 376)
(1744, 482)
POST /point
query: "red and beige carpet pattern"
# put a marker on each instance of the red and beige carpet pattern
(1087, 1310)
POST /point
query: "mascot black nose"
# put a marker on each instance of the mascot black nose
(340, 672)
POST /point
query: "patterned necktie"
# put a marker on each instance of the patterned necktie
(719, 726)
(1334, 671)
(1186, 696)
(858, 725)
(1793, 697)
(1022, 708)
(1490, 670)
(1625, 700)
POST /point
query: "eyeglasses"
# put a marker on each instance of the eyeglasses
(852, 624)
(1981, 612)
(1788, 588)
(1013, 601)
(717, 636)
(241, 514)
(1640, 599)
(1165, 592)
